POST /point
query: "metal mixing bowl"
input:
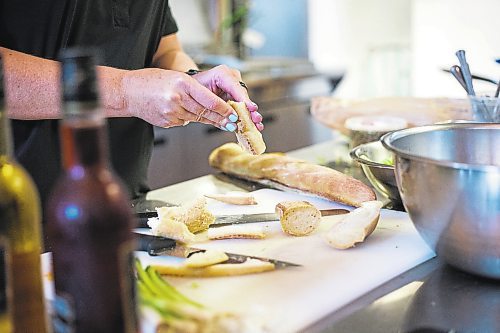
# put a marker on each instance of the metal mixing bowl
(373, 159)
(448, 176)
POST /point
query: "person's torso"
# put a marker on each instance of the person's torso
(126, 33)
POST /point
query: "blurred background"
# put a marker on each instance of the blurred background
(292, 50)
(381, 47)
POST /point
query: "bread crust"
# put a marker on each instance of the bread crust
(247, 134)
(291, 174)
(298, 218)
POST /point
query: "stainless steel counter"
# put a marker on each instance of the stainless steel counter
(431, 297)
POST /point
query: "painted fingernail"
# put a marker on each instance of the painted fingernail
(223, 128)
(230, 127)
(233, 117)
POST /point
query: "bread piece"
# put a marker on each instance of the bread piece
(252, 231)
(194, 215)
(291, 174)
(355, 226)
(298, 218)
(169, 228)
(249, 137)
(206, 258)
(182, 222)
(234, 198)
(250, 266)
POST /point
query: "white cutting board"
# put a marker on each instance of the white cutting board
(291, 299)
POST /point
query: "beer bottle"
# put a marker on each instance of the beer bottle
(89, 218)
(21, 290)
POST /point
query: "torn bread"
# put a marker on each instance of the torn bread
(249, 137)
(182, 222)
(355, 226)
(234, 198)
(250, 266)
(291, 174)
(298, 218)
(251, 231)
(206, 258)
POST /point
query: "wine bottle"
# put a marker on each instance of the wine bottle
(89, 218)
(21, 294)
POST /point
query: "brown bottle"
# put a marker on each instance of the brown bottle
(22, 307)
(89, 219)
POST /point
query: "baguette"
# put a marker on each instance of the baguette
(298, 218)
(291, 174)
(250, 266)
(249, 231)
(247, 134)
(234, 198)
(355, 226)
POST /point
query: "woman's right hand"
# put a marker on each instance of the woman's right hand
(168, 98)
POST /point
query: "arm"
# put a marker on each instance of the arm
(170, 55)
(158, 96)
(33, 87)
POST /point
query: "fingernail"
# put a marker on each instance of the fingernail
(233, 117)
(223, 128)
(255, 105)
(230, 127)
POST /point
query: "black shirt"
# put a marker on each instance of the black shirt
(127, 32)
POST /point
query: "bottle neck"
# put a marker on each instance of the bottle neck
(84, 136)
(5, 136)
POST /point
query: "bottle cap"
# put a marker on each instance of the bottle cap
(78, 72)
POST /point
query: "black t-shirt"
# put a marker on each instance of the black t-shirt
(127, 32)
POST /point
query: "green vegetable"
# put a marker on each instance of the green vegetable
(177, 312)
(388, 161)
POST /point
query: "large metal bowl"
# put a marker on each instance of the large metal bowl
(373, 159)
(449, 179)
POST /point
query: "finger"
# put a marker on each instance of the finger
(199, 113)
(256, 117)
(219, 110)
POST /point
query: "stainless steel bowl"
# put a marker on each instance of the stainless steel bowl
(373, 158)
(448, 176)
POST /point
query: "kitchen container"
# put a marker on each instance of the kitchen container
(377, 164)
(448, 177)
(485, 108)
(364, 129)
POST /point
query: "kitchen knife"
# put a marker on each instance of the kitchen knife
(161, 246)
(222, 220)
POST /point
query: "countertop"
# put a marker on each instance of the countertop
(432, 297)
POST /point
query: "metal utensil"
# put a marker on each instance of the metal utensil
(465, 72)
(161, 246)
(457, 73)
(448, 177)
(222, 220)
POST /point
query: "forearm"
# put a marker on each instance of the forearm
(33, 87)
(175, 60)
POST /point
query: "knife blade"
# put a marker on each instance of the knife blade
(223, 220)
(162, 246)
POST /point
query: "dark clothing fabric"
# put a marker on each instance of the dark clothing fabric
(127, 33)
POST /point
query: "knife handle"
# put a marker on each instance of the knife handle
(152, 244)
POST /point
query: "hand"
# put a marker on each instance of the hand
(225, 83)
(168, 98)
